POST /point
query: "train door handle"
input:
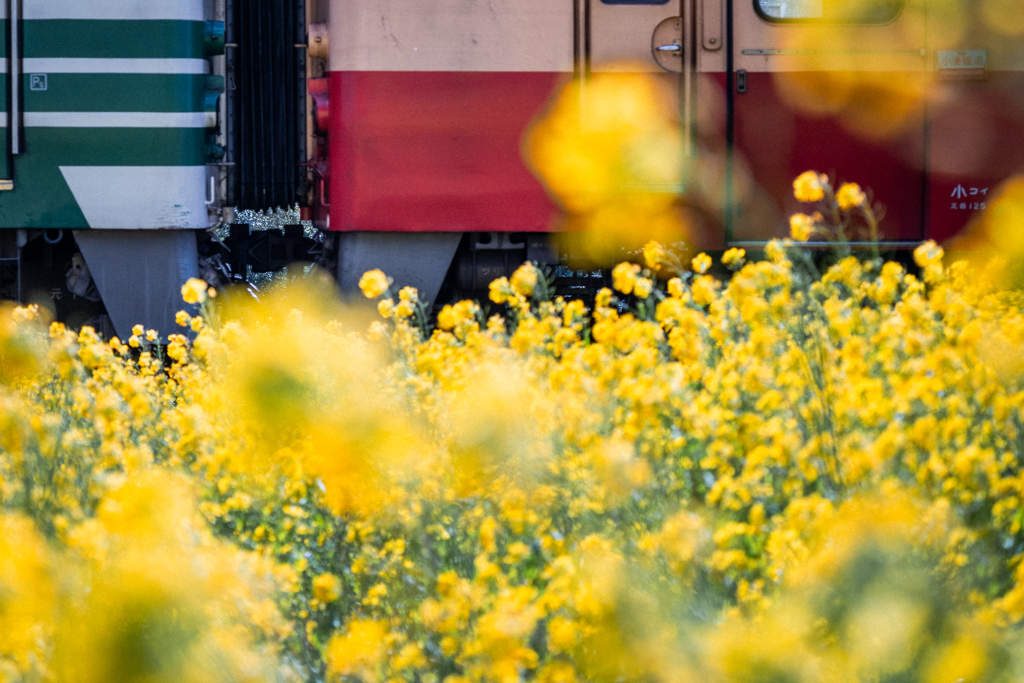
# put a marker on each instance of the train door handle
(741, 80)
(323, 195)
(711, 24)
(667, 44)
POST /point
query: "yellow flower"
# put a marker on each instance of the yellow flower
(524, 279)
(386, 307)
(151, 335)
(624, 277)
(446, 318)
(359, 650)
(24, 313)
(194, 291)
(700, 263)
(775, 250)
(562, 634)
(654, 255)
(642, 287)
(801, 227)
(850, 196)
(410, 656)
(809, 186)
(928, 254)
(182, 318)
(138, 330)
(410, 294)
(733, 258)
(405, 309)
(373, 283)
(603, 297)
(500, 291)
(375, 593)
(326, 588)
(704, 289)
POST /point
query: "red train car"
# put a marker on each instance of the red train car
(423, 105)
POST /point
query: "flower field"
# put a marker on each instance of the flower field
(742, 469)
(771, 475)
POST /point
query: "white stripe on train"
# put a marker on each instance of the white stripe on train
(183, 10)
(63, 65)
(111, 119)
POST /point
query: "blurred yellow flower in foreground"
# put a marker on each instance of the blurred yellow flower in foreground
(870, 81)
(609, 152)
(359, 651)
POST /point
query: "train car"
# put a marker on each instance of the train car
(425, 104)
(109, 110)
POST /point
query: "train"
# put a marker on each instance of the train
(136, 130)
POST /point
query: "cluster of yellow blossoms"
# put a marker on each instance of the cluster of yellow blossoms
(775, 475)
(847, 211)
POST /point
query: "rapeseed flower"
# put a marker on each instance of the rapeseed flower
(810, 186)
(701, 263)
(850, 196)
(194, 291)
(373, 283)
(733, 258)
(801, 227)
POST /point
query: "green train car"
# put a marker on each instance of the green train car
(114, 136)
(109, 112)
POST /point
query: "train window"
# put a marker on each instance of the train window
(839, 11)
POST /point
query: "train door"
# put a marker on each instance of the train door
(837, 86)
(673, 40)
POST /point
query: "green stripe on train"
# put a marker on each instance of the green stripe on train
(102, 38)
(109, 39)
(114, 147)
(117, 92)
